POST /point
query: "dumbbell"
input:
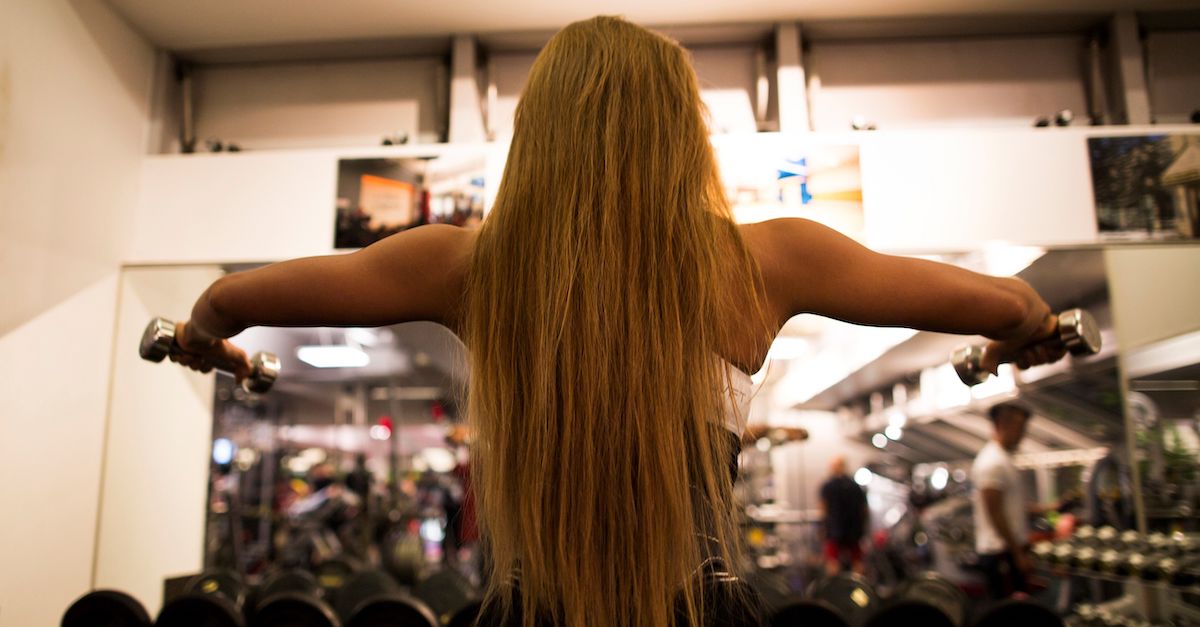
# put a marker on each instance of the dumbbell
(451, 597)
(109, 608)
(1023, 613)
(372, 598)
(926, 599)
(292, 598)
(1077, 332)
(808, 613)
(215, 598)
(158, 342)
(850, 594)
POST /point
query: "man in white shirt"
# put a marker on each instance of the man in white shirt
(1000, 505)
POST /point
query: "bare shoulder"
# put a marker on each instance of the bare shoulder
(785, 249)
(437, 257)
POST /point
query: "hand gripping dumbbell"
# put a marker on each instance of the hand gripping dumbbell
(1077, 332)
(158, 342)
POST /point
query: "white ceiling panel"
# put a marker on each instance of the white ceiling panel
(182, 25)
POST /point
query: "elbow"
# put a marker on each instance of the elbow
(219, 300)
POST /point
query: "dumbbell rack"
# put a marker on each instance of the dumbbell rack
(1161, 602)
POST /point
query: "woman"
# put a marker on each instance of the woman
(612, 310)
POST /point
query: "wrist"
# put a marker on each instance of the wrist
(192, 337)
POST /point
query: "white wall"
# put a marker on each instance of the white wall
(254, 206)
(53, 372)
(919, 83)
(922, 191)
(1174, 75)
(726, 74)
(74, 92)
(152, 515)
(307, 105)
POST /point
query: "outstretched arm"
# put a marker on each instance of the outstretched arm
(810, 268)
(413, 275)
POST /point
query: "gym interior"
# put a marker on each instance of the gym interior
(149, 148)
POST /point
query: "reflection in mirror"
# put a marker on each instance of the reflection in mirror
(890, 404)
(356, 458)
(1164, 409)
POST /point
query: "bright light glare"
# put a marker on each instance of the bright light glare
(222, 451)
(431, 531)
(893, 432)
(439, 459)
(379, 432)
(363, 337)
(863, 476)
(879, 440)
(1005, 260)
(333, 356)
(787, 347)
(939, 478)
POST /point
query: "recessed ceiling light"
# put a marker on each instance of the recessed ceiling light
(333, 356)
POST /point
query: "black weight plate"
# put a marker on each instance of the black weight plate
(369, 584)
(813, 613)
(391, 611)
(465, 616)
(907, 612)
(849, 594)
(200, 610)
(932, 589)
(1022, 613)
(445, 592)
(288, 581)
(294, 609)
(333, 574)
(222, 583)
(106, 608)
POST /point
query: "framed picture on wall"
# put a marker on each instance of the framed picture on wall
(1146, 186)
(769, 176)
(377, 198)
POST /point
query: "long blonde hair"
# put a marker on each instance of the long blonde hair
(593, 318)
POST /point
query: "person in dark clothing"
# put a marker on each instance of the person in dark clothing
(359, 480)
(844, 505)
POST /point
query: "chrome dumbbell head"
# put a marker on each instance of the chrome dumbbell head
(264, 369)
(1078, 331)
(157, 340)
(967, 362)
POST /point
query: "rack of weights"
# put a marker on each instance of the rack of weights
(1166, 564)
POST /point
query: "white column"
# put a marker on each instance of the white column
(792, 89)
(466, 112)
(1129, 70)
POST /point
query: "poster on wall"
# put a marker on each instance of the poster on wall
(377, 198)
(1146, 186)
(774, 176)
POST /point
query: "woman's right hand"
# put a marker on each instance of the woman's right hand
(1033, 350)
(203, 354)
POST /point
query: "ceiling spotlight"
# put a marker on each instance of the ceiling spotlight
(333, 356)
(863, 476)
(893, 432)
(939, 478)
(879, 440)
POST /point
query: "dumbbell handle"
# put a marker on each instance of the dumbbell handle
(158, 342)
(1077, 332)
